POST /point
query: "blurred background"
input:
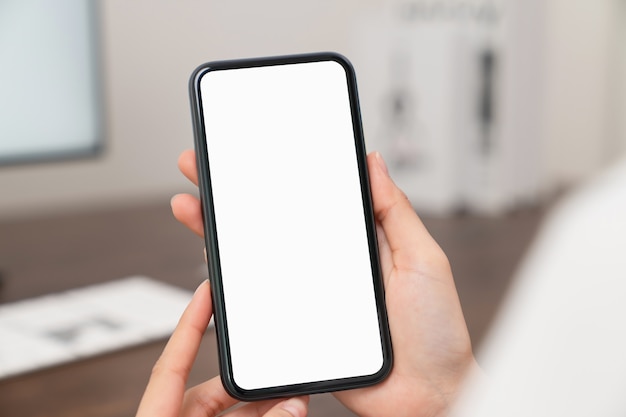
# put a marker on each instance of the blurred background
(479, 104)
(485, 110)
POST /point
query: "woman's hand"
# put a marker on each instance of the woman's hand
(431, 344)
(165, 394)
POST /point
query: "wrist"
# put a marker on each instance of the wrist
(469, 384)
(470, 373)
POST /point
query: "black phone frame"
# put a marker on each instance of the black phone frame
(211, 239)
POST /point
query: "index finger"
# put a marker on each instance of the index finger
(187, 165)
(166, 388)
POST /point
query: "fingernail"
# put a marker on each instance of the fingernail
(172, 199)
(295, 406)
(381, 163)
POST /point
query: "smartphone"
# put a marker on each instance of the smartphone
(293, 261)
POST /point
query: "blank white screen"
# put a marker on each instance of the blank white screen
(297, 279)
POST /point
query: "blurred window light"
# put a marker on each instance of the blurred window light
(49, 93)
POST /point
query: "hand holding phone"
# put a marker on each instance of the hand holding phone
(432, 350)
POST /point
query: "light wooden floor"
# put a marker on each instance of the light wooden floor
(40, 256)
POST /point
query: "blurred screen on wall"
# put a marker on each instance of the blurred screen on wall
(49, 102)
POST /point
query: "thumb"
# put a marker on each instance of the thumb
(293, 407)
(407, 236)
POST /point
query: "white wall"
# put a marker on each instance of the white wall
(150, 47)
(619, 113)
(581, 84)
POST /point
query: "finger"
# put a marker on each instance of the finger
(257, 408)
(187, 165)
(384, 251)
(187, 210)
(210, 398)
(408, 239)
(207, 399)
(292, 407)
(165, 390)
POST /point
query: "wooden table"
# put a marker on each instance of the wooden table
(44, 255)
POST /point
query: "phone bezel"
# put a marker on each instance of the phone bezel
(211, 240)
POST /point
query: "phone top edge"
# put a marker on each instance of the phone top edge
(269, 61)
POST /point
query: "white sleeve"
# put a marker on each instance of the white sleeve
(558, 346)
